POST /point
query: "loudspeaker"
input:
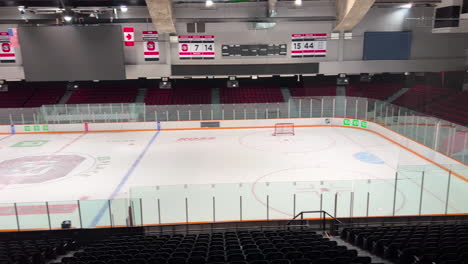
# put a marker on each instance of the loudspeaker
(342, 81)
(232, 83)
(165, 85)
(66, 224)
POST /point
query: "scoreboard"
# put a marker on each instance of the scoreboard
(254, 50)
(309, 45)
(196, 47)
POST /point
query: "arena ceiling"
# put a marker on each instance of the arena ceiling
(129, 3)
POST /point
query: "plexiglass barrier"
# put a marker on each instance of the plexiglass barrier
(413, 190)
(443, 136)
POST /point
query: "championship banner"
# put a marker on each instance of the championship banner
(7, 52)
(150, 45)
(309, 45)
(196, 47)
(151, 50)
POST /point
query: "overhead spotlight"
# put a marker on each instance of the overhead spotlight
(22, 9)
(232, 82)
(123, 9)
(298, 2)
(67, 18)
(209, 3)
(409, 5)
(254, 77)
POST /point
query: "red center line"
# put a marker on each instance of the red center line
(70, 143)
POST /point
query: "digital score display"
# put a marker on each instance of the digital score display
(196, 47)
(309, 45)
(254, 50)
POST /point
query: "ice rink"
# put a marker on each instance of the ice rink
(318, 160)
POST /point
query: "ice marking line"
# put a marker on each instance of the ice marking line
(11, 181)
(396, 169)
(3, 186)
(71, 142)
(124, 180)
(3, 138)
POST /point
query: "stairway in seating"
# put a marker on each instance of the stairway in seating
(397, 94)
(216, 102)
(286, 93)
(141, 94)
(375, 259)
(65, 97)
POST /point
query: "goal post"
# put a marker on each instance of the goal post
(284, 129)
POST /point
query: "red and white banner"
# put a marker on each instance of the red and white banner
(150, 35)
(7, 52)
(196, 47)
(13, 32)
(151, 50)
(129, 36)
(309, 45)
(4, 37)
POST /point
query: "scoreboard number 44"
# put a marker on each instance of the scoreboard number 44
(307, 45)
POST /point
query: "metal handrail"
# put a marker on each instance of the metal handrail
(323, 215)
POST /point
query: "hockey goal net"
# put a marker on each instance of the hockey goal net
(284, 129)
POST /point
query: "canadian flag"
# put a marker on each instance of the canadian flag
(129, 36)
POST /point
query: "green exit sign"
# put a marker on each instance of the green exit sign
(355, 123)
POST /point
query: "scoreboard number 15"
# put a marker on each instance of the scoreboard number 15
(307, 45)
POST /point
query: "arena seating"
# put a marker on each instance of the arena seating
(157, 96)
(45, 94)
(241, 247)
(104, 93)
(191, 92)
(252, 93)
(313, 89)
(34, 251)
(453, 108)
(17, 95)
(185, 92)
(380, 91)
(419, 244)
(418, 96)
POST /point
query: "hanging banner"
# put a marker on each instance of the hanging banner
(196, 47)
(151, 50)
(150, 35)
(14, 42)
(309, 45)
(129, 36)
(7, 52)
(150, 45)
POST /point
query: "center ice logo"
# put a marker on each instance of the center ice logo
(38, 169)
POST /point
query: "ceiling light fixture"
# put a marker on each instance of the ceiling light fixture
(409, 5)
(209, 3)
(298, 2)
(67, 18)
(124, 9)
